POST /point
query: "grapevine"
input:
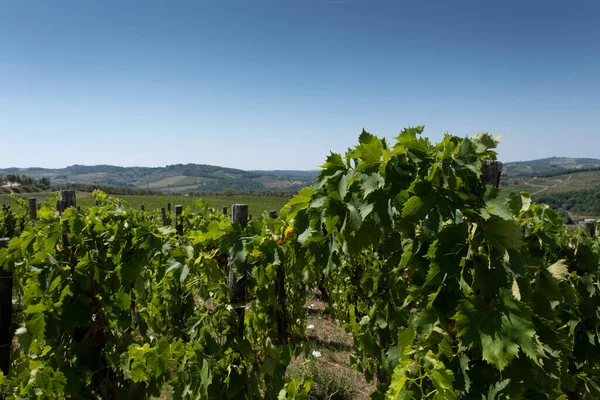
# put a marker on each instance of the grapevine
(116, 306)
(450, 289)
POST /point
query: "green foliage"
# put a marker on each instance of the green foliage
(13, 217)
(449, 289)
(581, 202)
(116, 305)
(256, 204)
(17, 180)
(572, 193)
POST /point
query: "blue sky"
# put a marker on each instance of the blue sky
(277, 84)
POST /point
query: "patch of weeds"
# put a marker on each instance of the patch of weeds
(329, 381)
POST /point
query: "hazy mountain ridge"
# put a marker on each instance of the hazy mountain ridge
(202, 177)
(173, 178)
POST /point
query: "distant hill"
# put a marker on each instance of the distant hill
(570, 185)
(548, 166)
(177, 178)
(574, 193)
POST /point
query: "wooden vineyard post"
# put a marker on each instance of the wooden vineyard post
(224, 210)
(96, 203)
(142, 207)
(491, 172)
(282, 328)
(67, 199)
(178, 224)
(169, 207)
(163, 214)
(249, 216)
(590, 225)
(239, 215)
(6, 335)
(33, 208)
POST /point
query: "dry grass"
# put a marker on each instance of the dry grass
(332, 375)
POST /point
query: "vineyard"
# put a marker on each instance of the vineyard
(449, 289)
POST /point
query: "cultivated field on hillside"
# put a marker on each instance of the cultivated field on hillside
(560, 183)
(256, 204)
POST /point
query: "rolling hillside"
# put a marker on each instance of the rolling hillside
(570, 185)
(549, 166)
(572, 181)
(178, 178)
(576, 193)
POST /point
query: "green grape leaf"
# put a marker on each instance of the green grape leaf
(300, 201)
(370, 183)
(441, 377)
(173, 265)
(496, 389)
(498, 330)
(342, 187)
(464, 367)
(158, 359)
(185, 271)
(122, 300)
(358, 211)
(334, 163)
(499, 208)
(35, 320)
(503, 234)
(206, 376)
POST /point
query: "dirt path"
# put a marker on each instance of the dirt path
(547, 187)
(332, 373)
(528, 183)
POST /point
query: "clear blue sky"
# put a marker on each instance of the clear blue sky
(277, 84)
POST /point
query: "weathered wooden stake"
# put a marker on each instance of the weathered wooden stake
(590, 225)
(67, 199)
(33, 208)
(178, 224)
(239, 215)
(169, 207)
(249, 216)
(491, 172)
(142, 207)
(163, 213)
(224, 210)
(280, 290)
(6, 334)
